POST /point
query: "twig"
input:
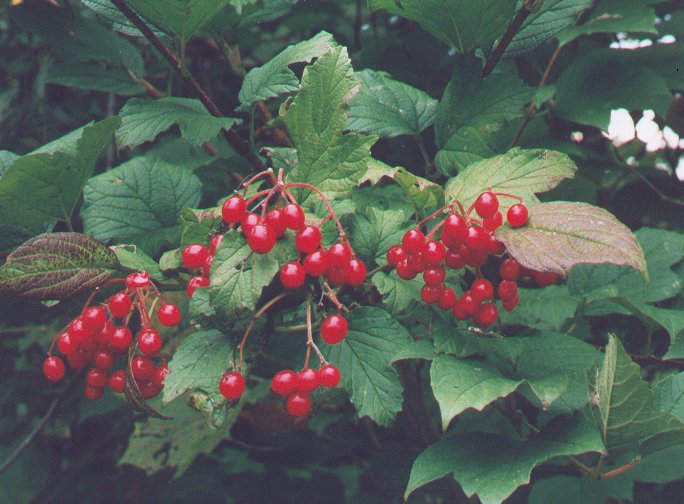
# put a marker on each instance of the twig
(507, 37)
(583, 468)
(621, 469)
(231, 136)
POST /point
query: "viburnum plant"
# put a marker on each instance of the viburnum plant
(344, 288)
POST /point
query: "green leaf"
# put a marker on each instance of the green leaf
(460, 384)
(612, 16)
(238, 275)
(328, 159)
(375, 231)
(521, 172)
(46, 186)
(462, 24)
(653, 317)
(571, 490)
(119, 22)
(492, 466)
(559, 235)
(93, 76)
(625, 413)
(540, 26)
(668, 395)
(397, 294)
(57, 266)
(364, 358)
(422, 349)
(143, 120)
(275, 78)
(132, 258)
(546, 309)
(181, 18)
(138, 201)
(199, 362)
(604, 80)
(389, 108)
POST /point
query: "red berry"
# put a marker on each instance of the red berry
(487, 204)
(543, 279)
(494, 246)
(94, 318)
(413, 241)
(468, 304)
(117, 381)
(284, 382)
(232, 385)
(517, 215)
(149, 341)
(454, 230)
(159, 375)
(455, 260)
(93, 393)
(119, 304)
(96, 378)
(434, 276)
(417, 262)
(65, 344)
(148, 390)
(195, 283)
(510, 269)
(276, 220)
(248, 222)
(53, 368)
(169, 315)
(491, 224)
(482, 290)
(329, 376)
(77, 360)
(405, 271)
(234, 209)
(206, 267)
(142, 368)
(334, 329)
(355, 273)
(308, 239)
(448, 299)
(292, 275)
(396, 254)
(486, 316)
(507, 290)
(293, 216)
(299, 404)
(104, 360)
(261, 238)
(431, 294)
(194, 255)
(121, 338)
(138, 280)
(434, 253)
(214, 244)
(307, 380)
(80, 333)
(339, 255)
(477, 239)
(316, 263)
(103, 337)
(509, 304)
(459, 312)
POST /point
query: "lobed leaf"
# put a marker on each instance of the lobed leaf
(397, 294)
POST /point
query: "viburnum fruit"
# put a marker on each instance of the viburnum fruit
(194, 255)
(232, 385)
(487, 204)
(119, 304)
(149, 341)
(261, 238)
(293, 216)
(234, 209)
(308, 239)
(299, 404)
(169, 314)
(292, 275)
(334, 329)
(307, 380)
(284, 382)
(195, 283)
(329, 376)
(517, 215)
(53, 368)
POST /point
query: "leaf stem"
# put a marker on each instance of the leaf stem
(621, 469)
(507, 37)
(252, 320)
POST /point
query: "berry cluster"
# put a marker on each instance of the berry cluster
(95, 339)
(297, 387)
(465, 240)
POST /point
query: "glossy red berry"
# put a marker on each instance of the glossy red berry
(159, 375)
(434, 253)
(80, 333)
(434, 275)
(248, 222)
(417, 262)
(119, 304)
(149, 341)
(487, 204)
(510, 269)
(117, 381)
(339, 255)
(294, 216)
(292, 275)
(477, 239)
(93, 393)
(194, 255)
(53, 368)
(413, 241)
(396, 254)
(517, 215)
(103, 337)
(232, 385)
(316, 263)
(543, 279)
(482, 290)
(308, 239)
(214, 244)
(448, 299)
(455, 260)
(94, 318)
(234, 209)
(121, 338)
(195, 283)
(405, 271)
(355, 273)
(299, 404)
(486, 316)
(142, 368)
(77, 360)
(494, 246)
(261, 238)
(468, 304)
(454, 230)
(148, 390)
(431, 294)
(169, 314)
(307, 380)
(138, 280)
(276, 219)
(334, 329)
(96, 377)
(491, 224)
(509, 304)
(284, 382)
(104, 360)
(329, 376)
(65, 344)
(507, 289)
(206, 267)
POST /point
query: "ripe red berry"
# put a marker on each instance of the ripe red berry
(248, 222)
(316, 263)
(494, 246)
(195, 283)
(431, 294)
(77, 360)
(206, 267)
(148, 390)
(482, 290)
(329, 376)
(121, 338)
(232, 385)
(159, 375)
(65, 344)
(334, 329)
(194, 255)
(149, 341)
(138, 280)
(96, 377)
(169, 315)
(455, 260)
(405, 271)
(491, 224)
(509, 304)
(104, 360)
(339, 255)
(510, 269)
(284, 382)
(299, 404)
(214, 244)
(261, 238)
(93, 393)
(477, 239)
(307, 380)
(94, 318)
(355, 273)
(294, 216)
(454, 230)
(119, 304)
(517, 215)
(276, 220)
(103, 337)
(417, 262)
(308, 239)
(468, 304)
(448, 299)
(117, 381)
(434, 253)
(53, 368)
(234, 209)
(434, 276)
(507, 289)
(80, 333)
(486, 316)
(292, 275)
(459, 312)
(396, 254)
(543, 279)
(142, 368)
(487, 204)
(413, 241)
